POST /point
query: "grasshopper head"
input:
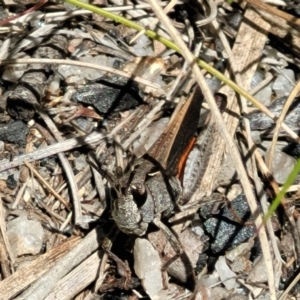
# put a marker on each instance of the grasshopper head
(127, 215)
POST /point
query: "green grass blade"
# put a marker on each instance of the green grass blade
(283, 191)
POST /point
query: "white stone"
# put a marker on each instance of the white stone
(209, 279)
(258, 274)
(240, 249)
(264, 95)
(282, 165)
(147, 266)
(25, 236)
(284, 83)
(228, 278)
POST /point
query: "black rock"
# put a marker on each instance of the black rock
(224, 228)
(202, 262)
(115, 296)
(11, 183)
(19, 108)
(49, 162)
(292, 149)
(84, 124)
(14, 132)
(260, 121)
(108, 97)
(21, 102)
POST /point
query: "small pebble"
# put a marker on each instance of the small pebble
(27, 195)
(260, 121)
(264, 95)
(11, 183)
(14, 132)
(282, 165)
(24, 174)
(228, 278)
(108, 96)
(258, 274)
(219, 293)
(25, 236)
(147, 266)
(284, 83)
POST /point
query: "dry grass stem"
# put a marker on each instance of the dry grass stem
(79, 64)
(269, 78)
(170, 5)
(4, 234)
(65, 165)
(212, 16)
(47, 185)
(288, 103)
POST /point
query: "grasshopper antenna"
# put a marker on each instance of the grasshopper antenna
(93, 161)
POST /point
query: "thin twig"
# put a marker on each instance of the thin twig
(283, 113)
(262, 84)
(100, 187)
(16, 283)
(50, 212)
(91, 140)
(211, 17)
(27, 11)
(20, 194)
(69, 286)
(78, 64)
(66, 222)
(65, 165)
(47, 185)
(170, 5)
(4, 235)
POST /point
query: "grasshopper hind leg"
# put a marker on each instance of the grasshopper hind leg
(176, 245)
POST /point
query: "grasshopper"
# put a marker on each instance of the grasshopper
(151, 191)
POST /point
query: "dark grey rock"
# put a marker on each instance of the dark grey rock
(108, 97)
(11, 183)
(260, 121)
(14, 132)
(224, 227)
